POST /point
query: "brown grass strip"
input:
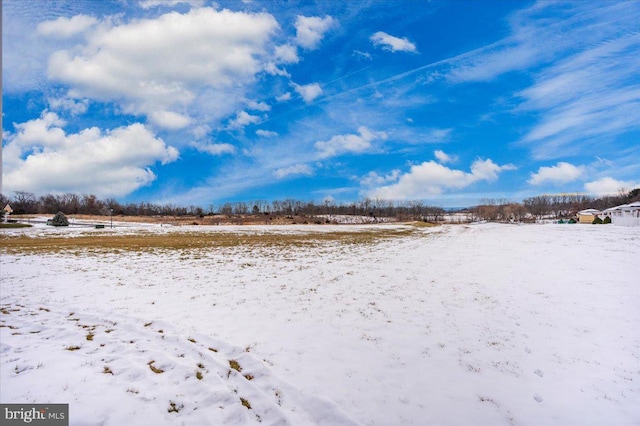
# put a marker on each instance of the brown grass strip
(149, 241)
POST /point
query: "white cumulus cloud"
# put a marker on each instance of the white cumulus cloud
(66, 27)
(610, 186)
(243, 118)
(259, 106)
(431, 179)
(286, 53)
(311, 29)
(375, 179)
(349, 143)
(308, 92)
(75, 107)
(169, 119)
(41, 157)
(393, 44)
(560, 173)
(171, 64)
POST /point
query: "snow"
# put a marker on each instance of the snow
(455, 325)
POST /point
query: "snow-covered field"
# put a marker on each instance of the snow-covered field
(456, 325)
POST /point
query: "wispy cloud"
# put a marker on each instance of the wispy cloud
(435, 135)
(584, 61)
(294, 170)
(284, 97)
(583, 58)
(266, 133)
(148, 4)
(362, 55)
(393, 44)
(584, 91)
(214, 148)
(585, 97)
(443, 157)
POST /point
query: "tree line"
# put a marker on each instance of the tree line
(556, 206)
(541, 206)
(28, 203)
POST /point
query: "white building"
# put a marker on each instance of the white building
(625, 215)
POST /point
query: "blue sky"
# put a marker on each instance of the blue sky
(199, 102)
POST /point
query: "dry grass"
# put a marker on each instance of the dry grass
(154, 368)
(174, 408)
(245, 403)
(423, 224)
(144, 241)
(234, 364)
(14, 225)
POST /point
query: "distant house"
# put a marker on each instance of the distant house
(7, 211)
(625, 214)
(588, 215)
(607, 212)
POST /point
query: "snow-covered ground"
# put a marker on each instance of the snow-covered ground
(355, 220)
(457, 325)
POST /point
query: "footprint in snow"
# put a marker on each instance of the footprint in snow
(177, 377)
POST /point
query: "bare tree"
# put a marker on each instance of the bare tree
(24, 203)
(538, 206)
(49, 204)
(226, 209)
